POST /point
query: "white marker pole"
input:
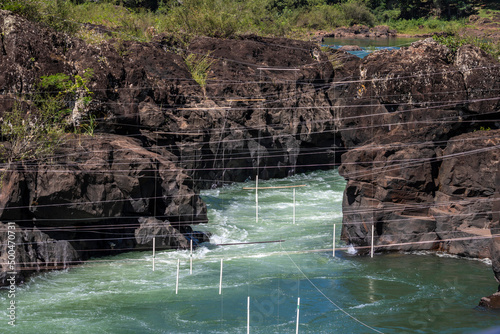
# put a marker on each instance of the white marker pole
(220, 281)
(293, 206)
(248, 315)
(298, 311)
(177, 279)
(256, 198)
(333, 250)
(191, 257)
(373, 228)
(154, 246)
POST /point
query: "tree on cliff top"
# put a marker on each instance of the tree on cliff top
(446, 9)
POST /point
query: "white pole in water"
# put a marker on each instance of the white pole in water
(298, 311)
(256, 198)
(191, 257)
(248, 315)
(373, 228)
(293, 206)
(154, 246)
(177, 279)
(333, 250)
(220, 281)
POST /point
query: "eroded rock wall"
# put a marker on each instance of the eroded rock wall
(424, 157)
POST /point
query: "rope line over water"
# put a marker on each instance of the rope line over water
(331, 301)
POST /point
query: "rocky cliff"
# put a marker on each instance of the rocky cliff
(414, 131)
(422, 170)
(160, 137)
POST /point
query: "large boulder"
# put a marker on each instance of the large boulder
(167, 237)
(25, 251)
(386, 186)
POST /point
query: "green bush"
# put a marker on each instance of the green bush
(26, 8)
(216, 18)
(322, 17)
(454, 42)
(356, 12)
(199, 67)
(54, 13)
(58, 92)
(384, 15)
(333, 16)
(36, 126)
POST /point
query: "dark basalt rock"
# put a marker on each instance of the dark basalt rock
(102, 176)
(415, 178)
(167, 237)
(464, 202)
(29, 251)
(95, 185)
(146, 91)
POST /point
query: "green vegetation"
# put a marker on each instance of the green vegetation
(29, 135)
(199, 67)
(88, 126)
(56, 93)
(38, 122)
(454, 42)
(427, 25)
(60, 17)
(326, 16)
(143, 19)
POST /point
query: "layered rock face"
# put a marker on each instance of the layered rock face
(418, 172)
(423, 169)
(415, 132)
(88, 200)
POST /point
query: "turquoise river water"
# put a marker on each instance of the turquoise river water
(369, 45)
(390, 293)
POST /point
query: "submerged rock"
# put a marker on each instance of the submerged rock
(350, 48)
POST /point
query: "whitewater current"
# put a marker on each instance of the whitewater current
(271, 262)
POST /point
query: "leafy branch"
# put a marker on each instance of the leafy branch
(199, 67)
